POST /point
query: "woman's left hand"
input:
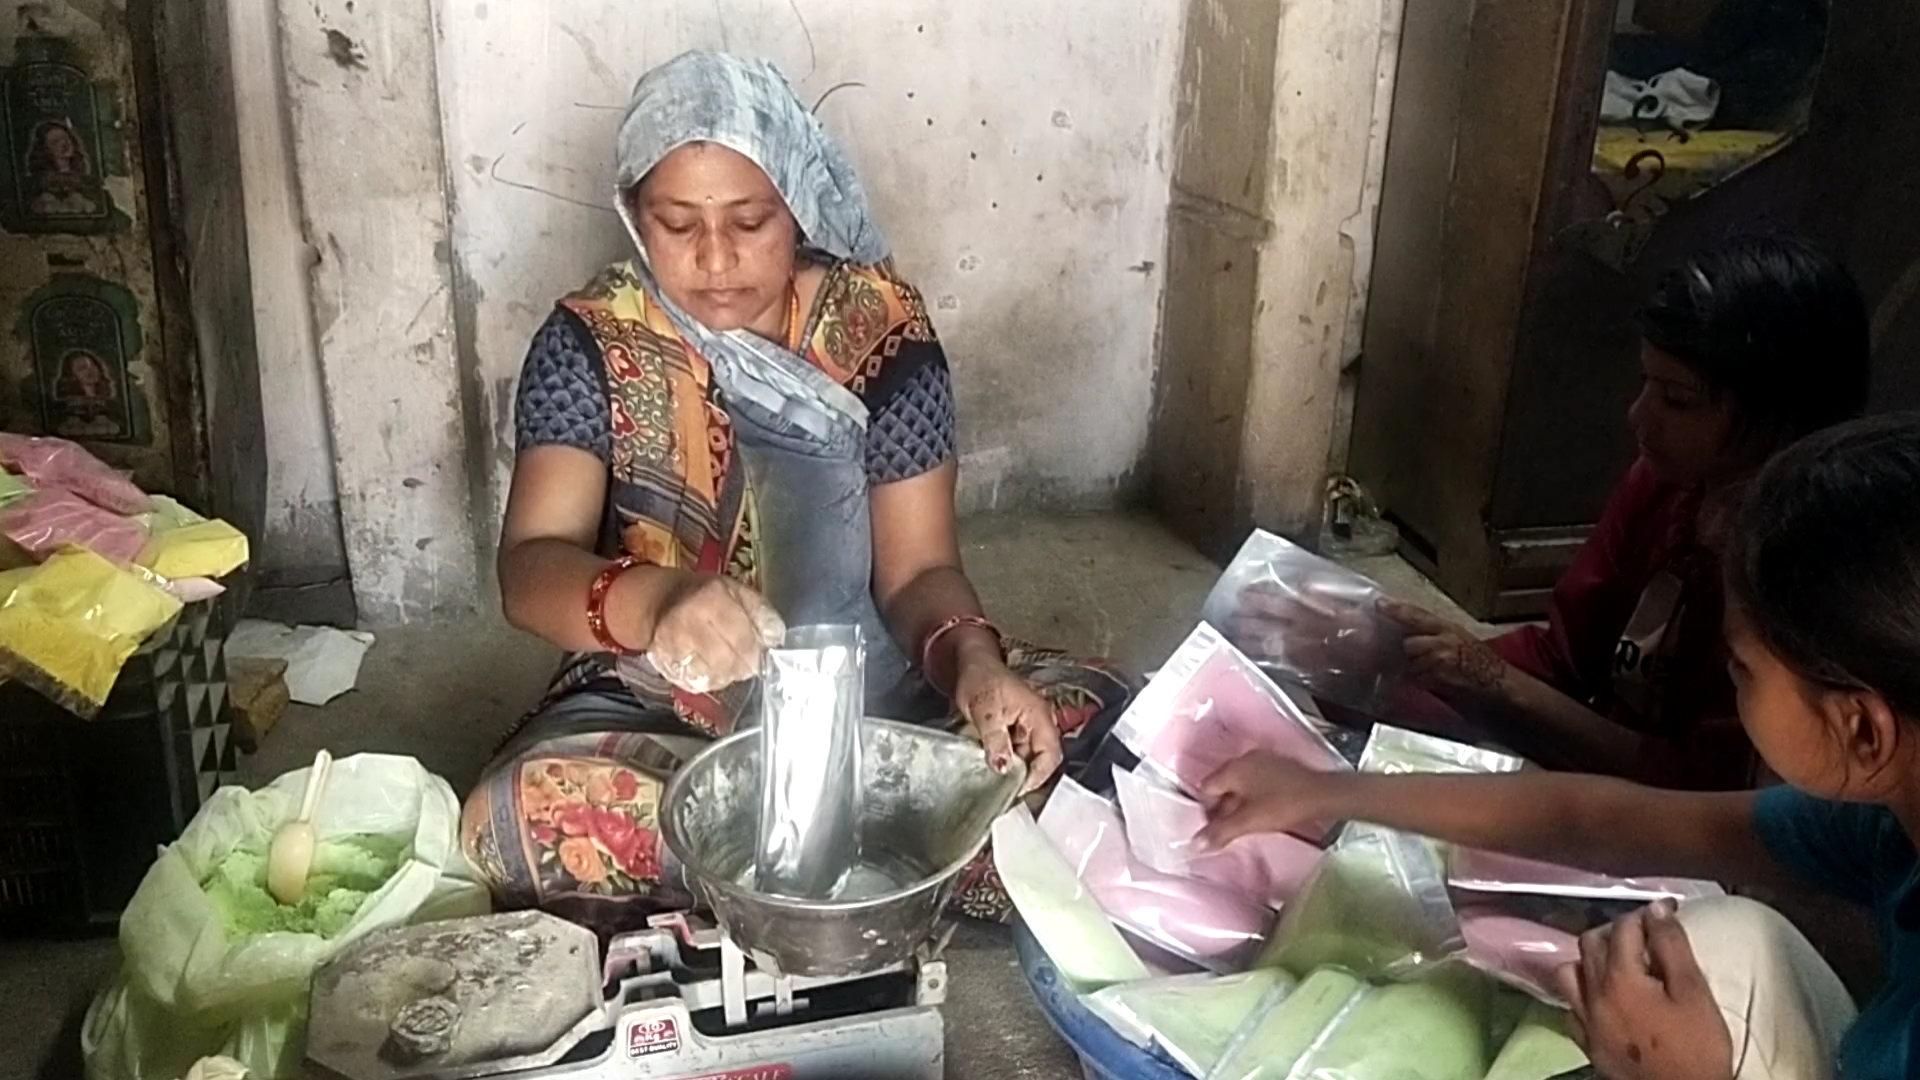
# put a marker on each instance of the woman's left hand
(1441, 654)
(1010, 717)
(1641, 1006)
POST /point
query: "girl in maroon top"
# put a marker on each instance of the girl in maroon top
(1746, 348)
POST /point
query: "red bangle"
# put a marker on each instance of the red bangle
(597, 604)
(933, 638)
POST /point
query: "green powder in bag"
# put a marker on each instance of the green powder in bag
(1539, 1048)
(1336, 1027)
(1191, 1017)
(1376, 905)
(1284, 1026)
(345, 872)
(1432, 1029)
(13, 488)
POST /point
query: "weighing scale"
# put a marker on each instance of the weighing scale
(528, 996)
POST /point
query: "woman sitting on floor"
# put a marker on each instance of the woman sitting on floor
(750, 425)
(1823, 621)
(1745, 349)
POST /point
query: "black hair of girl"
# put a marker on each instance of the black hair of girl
(1824, 560)
(1771, 323)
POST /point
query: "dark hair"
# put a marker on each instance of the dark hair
(1772, 323)
(1824, 559)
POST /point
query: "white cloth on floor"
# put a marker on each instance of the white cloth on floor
(1785, 1008)
(1680, 99)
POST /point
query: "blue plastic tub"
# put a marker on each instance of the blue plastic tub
(1104, 1055)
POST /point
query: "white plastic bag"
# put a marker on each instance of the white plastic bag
(187, 990)
(1310, 621)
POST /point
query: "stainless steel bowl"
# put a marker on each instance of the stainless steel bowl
(929, 800)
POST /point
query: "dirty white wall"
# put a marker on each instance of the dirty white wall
(1276, 184)
(452, 162)
(445, 167)
(1333, 98)
(1014, 153)
(301, 545)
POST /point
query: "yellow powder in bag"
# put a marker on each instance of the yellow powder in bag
(205, 549)
(68, 627)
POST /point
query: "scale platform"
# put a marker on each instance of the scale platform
(528, 996)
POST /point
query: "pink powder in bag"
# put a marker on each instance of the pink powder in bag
(1161, 825)
(1209, 924)
(48, 520)
(1518, 951)
(57, 463)
(1210, 705)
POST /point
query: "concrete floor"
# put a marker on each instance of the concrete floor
(1102, 585)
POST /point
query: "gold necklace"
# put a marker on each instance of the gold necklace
(793, 316)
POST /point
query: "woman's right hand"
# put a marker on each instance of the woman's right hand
(1262, 792)
(710, 632)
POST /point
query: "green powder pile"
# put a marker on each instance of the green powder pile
(344, 873)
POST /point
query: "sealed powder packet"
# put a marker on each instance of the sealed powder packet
(812, 701)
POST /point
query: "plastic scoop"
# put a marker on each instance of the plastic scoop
(291, 854)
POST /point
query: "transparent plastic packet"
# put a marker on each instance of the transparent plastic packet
(1191, 1018)
(1162, 825)
(1309, 621)
(58, 463)
(1392, 750)
(13, 488)
(1376, 905)
(68, 626)
(1475, 870)
(1539, 1048)
(1520, 952)
(1209, 705)
(1216, 927)
(51, 519)
(1336, 1026)
(1058, 909)
(184, 545)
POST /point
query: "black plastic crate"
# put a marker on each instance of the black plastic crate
(86, 804)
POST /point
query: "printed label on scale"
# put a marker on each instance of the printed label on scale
(648, 1037)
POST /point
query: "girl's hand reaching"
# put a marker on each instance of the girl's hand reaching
(1262, 792)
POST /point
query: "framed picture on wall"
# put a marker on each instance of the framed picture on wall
(83, 334)
(60, 143)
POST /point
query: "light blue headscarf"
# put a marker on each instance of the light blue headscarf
(749, 107)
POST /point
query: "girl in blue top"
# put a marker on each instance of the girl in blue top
(1823, 623)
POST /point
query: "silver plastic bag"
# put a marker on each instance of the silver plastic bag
(812, 701)
(1309, 621)
(1396, 750)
